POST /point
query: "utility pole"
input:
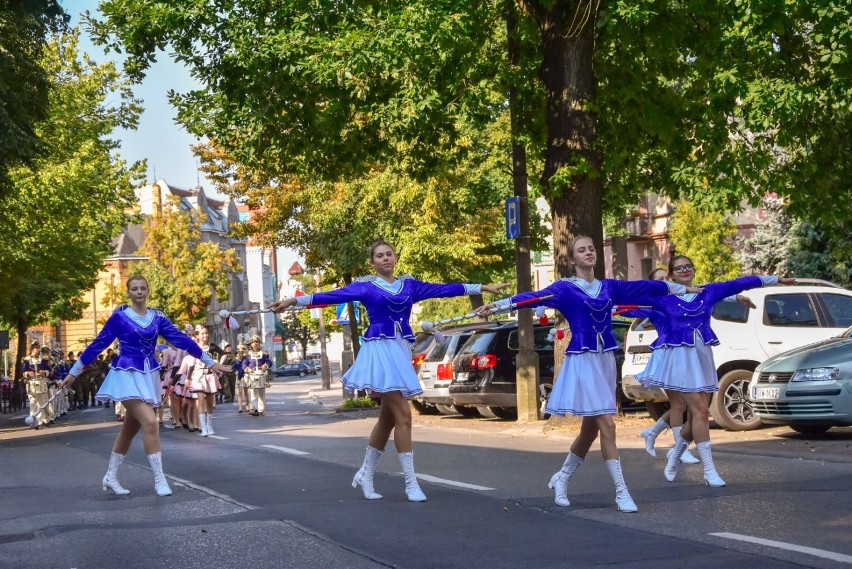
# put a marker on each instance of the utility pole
(325, 371)
(526, 362)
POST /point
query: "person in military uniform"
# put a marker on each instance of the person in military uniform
(242, 380)
(35, 375)
(255, 365)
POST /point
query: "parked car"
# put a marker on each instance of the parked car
(298, 369)
(808, 388)
(314, 366)
(422, 342)
(786, 317)
(484, 372)
(436, 370)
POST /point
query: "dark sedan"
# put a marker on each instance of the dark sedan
(297, 369)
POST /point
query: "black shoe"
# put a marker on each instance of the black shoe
(254, 414)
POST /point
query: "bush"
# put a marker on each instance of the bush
(359, 403)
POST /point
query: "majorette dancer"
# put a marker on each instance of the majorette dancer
(383, 366)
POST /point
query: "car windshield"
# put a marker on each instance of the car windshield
(446, 349)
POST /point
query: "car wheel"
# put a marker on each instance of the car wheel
(731, 406)
(506, 413)
(424, 408)
(810, 429)
(486, 412)
(544, 394)
(656, 409)
(467, 411)
(302, 374)
(446, 409)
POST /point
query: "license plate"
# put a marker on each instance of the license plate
(765, 392)
(461, 376)
(639, 359)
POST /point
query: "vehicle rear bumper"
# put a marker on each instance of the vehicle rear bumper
(634, 390)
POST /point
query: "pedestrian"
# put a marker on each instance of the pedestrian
(685, 359)
(255, 365)
(134, 378)
(229, 378)
(384, 365)
(242, 380)
(35, 371)
(585, 386)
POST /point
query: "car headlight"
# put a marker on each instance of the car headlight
(816, 374)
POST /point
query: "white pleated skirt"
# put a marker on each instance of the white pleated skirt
(383, 365)
(689, 369)
(124, 384)
(585, 385)
(645, 376)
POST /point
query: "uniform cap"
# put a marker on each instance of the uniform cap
(255, 338)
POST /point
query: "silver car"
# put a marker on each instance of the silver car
(807, 388)
(436, 370)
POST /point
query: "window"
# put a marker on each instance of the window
(839, 309)
(789, 310)
(540, 342)
(731, 311)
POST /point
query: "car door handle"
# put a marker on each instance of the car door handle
(779, 342)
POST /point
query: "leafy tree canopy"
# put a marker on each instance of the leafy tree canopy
(706, 238)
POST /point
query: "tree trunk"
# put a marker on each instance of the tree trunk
(576, 200)
(23, 348)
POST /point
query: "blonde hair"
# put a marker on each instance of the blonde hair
(136, 277)
(378, 243)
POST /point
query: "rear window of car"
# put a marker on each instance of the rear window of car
(642, 325)
(839, 309)
(789, 310)
(446, 349)
(731, 311)
(421, 342)
(478, 343)
(540, 341)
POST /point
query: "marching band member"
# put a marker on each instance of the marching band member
(134, 377)
(35, 375)
(204, 383)
(384, 362)
(255, 365)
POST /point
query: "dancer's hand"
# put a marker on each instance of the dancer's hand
(786, 281)
(282, 305)
(66, 383)
(495, 288)
(695, 289)
(221, 367)
(743, 299)
(486, 309)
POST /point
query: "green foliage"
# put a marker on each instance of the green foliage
(300, 328)
(705, 237)
(183, 272)
(24, 81)
(359, 403)
(822, 251)
(68, 203)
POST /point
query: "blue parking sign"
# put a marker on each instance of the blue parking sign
(343, 314)
(513, 218)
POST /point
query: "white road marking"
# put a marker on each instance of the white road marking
(285, 449)
(213, 493)
(217, 437)
(788, 546)
(428, 478)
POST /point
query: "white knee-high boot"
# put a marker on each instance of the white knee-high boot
(160, 484)
(674, 458)
(687, 457)
(650, 435)
(711, 477)
(202, 421)
(110, 481)
(622, 497)
(412, 488)
(364, 476)
(559, 481)
(210, 424)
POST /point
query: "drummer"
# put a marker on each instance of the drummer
(255, 365)
(36, 371)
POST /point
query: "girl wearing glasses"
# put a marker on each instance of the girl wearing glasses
(685, 366)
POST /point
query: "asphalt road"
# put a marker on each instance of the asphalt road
(275, 491)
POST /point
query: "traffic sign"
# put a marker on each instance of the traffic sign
(343, 314)
(513, 217)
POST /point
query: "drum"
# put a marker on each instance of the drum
(256, 379)
(37, 386)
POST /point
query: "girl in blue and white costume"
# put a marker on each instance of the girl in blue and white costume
(585, 385)
(134, 377)
(384, 365)
(685, 359)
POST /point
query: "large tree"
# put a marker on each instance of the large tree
(24, 81)
(716, 102)
(707, 238)
(69, 202)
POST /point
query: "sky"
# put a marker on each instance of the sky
(160, 140)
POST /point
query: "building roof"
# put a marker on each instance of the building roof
(295, 269)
